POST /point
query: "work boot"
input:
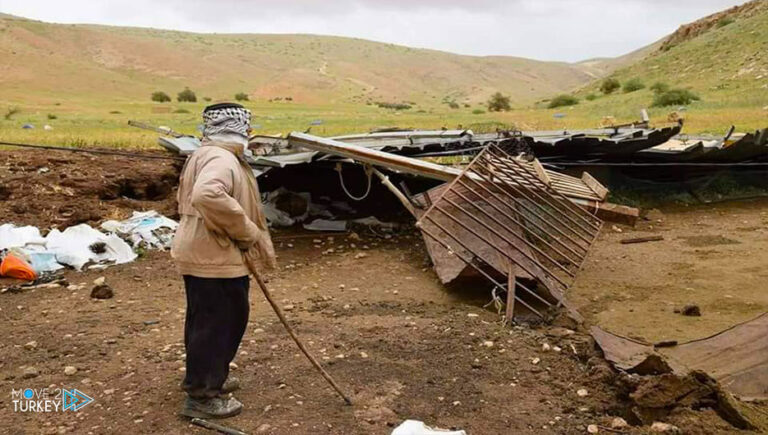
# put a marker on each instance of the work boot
(231, 385)
(215, 407)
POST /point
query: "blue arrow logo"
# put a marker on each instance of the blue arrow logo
(74, 399)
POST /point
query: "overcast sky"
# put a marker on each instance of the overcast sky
(567, 30)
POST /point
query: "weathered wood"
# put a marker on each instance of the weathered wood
(606, 211)
(145, 126)
(249, 263)
(395, 191)
(509, 315)
(594, 185)
(217, 427)
(541, 173)
(616, 213)
(642, 240)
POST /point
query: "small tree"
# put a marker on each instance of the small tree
(160, 97)
(499, 102)
(633, 85)
(241, 96)
(11, 111)
(563, 100)
(187, 96)
(609, 85)
(674, 97)
(660, 87)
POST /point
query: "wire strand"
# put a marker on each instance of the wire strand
(92, 151)
(341, 180)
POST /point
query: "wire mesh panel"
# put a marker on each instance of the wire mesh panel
(499, 217)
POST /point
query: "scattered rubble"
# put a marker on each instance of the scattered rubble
(102, 291)
(30, 372)
(692, 310)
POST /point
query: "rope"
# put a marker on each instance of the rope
(368, 173)
(91, 151)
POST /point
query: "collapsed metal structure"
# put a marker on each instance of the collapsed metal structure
(498, 217)
(523, 228)
(501, 216)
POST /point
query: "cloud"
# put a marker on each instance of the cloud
(564, 30)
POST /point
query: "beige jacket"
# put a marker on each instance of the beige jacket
(220, 208)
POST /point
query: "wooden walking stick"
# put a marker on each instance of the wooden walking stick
(249, 263)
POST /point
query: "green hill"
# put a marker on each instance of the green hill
(721, 58)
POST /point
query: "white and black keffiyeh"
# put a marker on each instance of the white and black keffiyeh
(226, 118)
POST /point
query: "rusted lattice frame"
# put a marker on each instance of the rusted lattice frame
(498, 215)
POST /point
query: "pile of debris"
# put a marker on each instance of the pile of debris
(503, 217)
(27, 255)
(664, 376)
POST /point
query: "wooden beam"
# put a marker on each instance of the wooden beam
(606, 211)
(594, 185)
(509, 315)
(642, 240)
(541, 173)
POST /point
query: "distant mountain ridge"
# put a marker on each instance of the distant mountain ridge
(91, 61)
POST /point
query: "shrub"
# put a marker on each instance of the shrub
(393, 106)
(115, 112)
(52, 116)
(499, 102)
(187, 95)
(563, 100)
(181, 110)
(590, 97)
(725, 21)
(206, 99)
(11, 111)
(633, 85)
(453, 105)
(241, 96)
(674, 97)
(609, 85)
(478, 112)
(160, 97)
(660, 87)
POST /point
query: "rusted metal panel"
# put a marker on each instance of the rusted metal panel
(499, 218)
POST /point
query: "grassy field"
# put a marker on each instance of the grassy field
(106, 124)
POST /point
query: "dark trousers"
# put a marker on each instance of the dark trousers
(217, 315)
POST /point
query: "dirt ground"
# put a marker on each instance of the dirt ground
(713, 256)
(54, 189)
(370, 307)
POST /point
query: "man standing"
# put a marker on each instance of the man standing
(221, 219)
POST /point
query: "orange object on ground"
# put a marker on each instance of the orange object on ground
(14, 267)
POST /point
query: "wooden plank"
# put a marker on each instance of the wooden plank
(509, 315)
(610, 212)
(642, 240)
(594, 185)
(620, 214)
(541, 173)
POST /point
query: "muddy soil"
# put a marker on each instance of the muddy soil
(54, 189)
